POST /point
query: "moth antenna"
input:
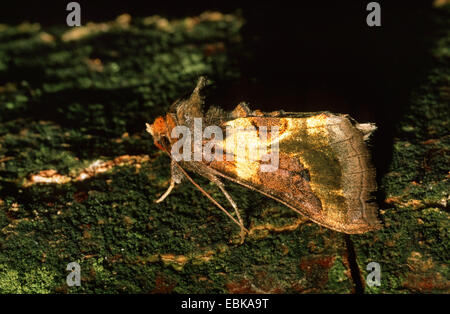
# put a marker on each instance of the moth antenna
(233, 204)
(210, 197)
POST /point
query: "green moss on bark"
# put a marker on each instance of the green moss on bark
(413, 247)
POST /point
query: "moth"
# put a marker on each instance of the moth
(323, 166)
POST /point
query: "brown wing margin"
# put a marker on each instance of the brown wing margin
(358, 175)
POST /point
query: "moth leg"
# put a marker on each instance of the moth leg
(175, 178)
(233, 204)
(163, 197)
(207, 195)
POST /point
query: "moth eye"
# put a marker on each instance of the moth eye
(165, 141)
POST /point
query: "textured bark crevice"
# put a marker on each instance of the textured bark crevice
(353, 264)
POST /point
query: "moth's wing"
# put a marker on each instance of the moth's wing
(324, 169)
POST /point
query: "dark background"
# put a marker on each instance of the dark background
(316, 55)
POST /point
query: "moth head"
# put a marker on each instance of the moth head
(160, 130)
